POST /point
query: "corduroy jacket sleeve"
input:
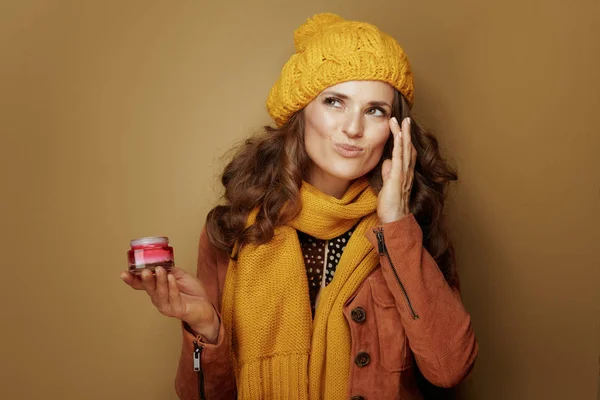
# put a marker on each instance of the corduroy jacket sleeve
(219, 378)
(437, 324)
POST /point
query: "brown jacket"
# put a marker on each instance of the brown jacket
(403, 313)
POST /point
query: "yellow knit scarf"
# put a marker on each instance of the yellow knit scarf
(277, 350)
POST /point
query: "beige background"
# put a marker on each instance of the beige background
(113, 117)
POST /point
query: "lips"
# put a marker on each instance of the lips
(349, 147)
(346, 150)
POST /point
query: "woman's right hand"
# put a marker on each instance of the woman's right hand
(180, 295)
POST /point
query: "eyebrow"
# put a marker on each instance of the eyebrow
(345, 97)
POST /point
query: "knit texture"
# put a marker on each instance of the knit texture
(331, 50)
(276, 350)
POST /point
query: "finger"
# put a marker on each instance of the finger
(174, 295)
(413, 159)
(397, 150)
(161, 296)
(148, 282)
(411, 172)
(186, 282)
(406, 145)
(178, 273)
(132, 280)
(385, 169)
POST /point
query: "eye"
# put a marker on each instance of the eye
(378, 112)
(332, 102)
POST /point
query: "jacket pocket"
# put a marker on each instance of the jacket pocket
(394, 351)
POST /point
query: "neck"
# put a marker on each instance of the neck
(329, 185)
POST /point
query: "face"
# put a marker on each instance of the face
(346, 128)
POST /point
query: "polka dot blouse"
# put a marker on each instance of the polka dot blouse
(321, 258)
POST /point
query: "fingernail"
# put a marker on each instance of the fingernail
(408, 120)
(395, 120)
(122, 275)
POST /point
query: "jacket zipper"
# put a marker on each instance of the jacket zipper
(383, 250)
(198, 368)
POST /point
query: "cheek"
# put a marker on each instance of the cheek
(316, 135)
(377, 146)
(313, 142)
(380, 144)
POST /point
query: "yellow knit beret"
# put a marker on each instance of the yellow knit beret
(331, 50)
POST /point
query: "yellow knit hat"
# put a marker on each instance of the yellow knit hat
(331, 50)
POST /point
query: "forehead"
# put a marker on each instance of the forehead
(363, 90)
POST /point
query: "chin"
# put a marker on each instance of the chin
(347, 175)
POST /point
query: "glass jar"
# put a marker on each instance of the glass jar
(150, 252)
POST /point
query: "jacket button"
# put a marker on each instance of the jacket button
(359, 315)
(362, 359)
(357, 398)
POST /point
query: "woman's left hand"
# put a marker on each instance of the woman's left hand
(398, 174)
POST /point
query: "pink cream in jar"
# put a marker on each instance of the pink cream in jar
(149, 253)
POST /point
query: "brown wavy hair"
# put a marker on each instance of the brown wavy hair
(267, 171)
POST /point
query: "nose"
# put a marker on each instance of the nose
(353, 124)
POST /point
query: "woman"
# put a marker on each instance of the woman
(328, 272)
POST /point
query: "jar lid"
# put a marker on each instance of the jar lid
(150, 240)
